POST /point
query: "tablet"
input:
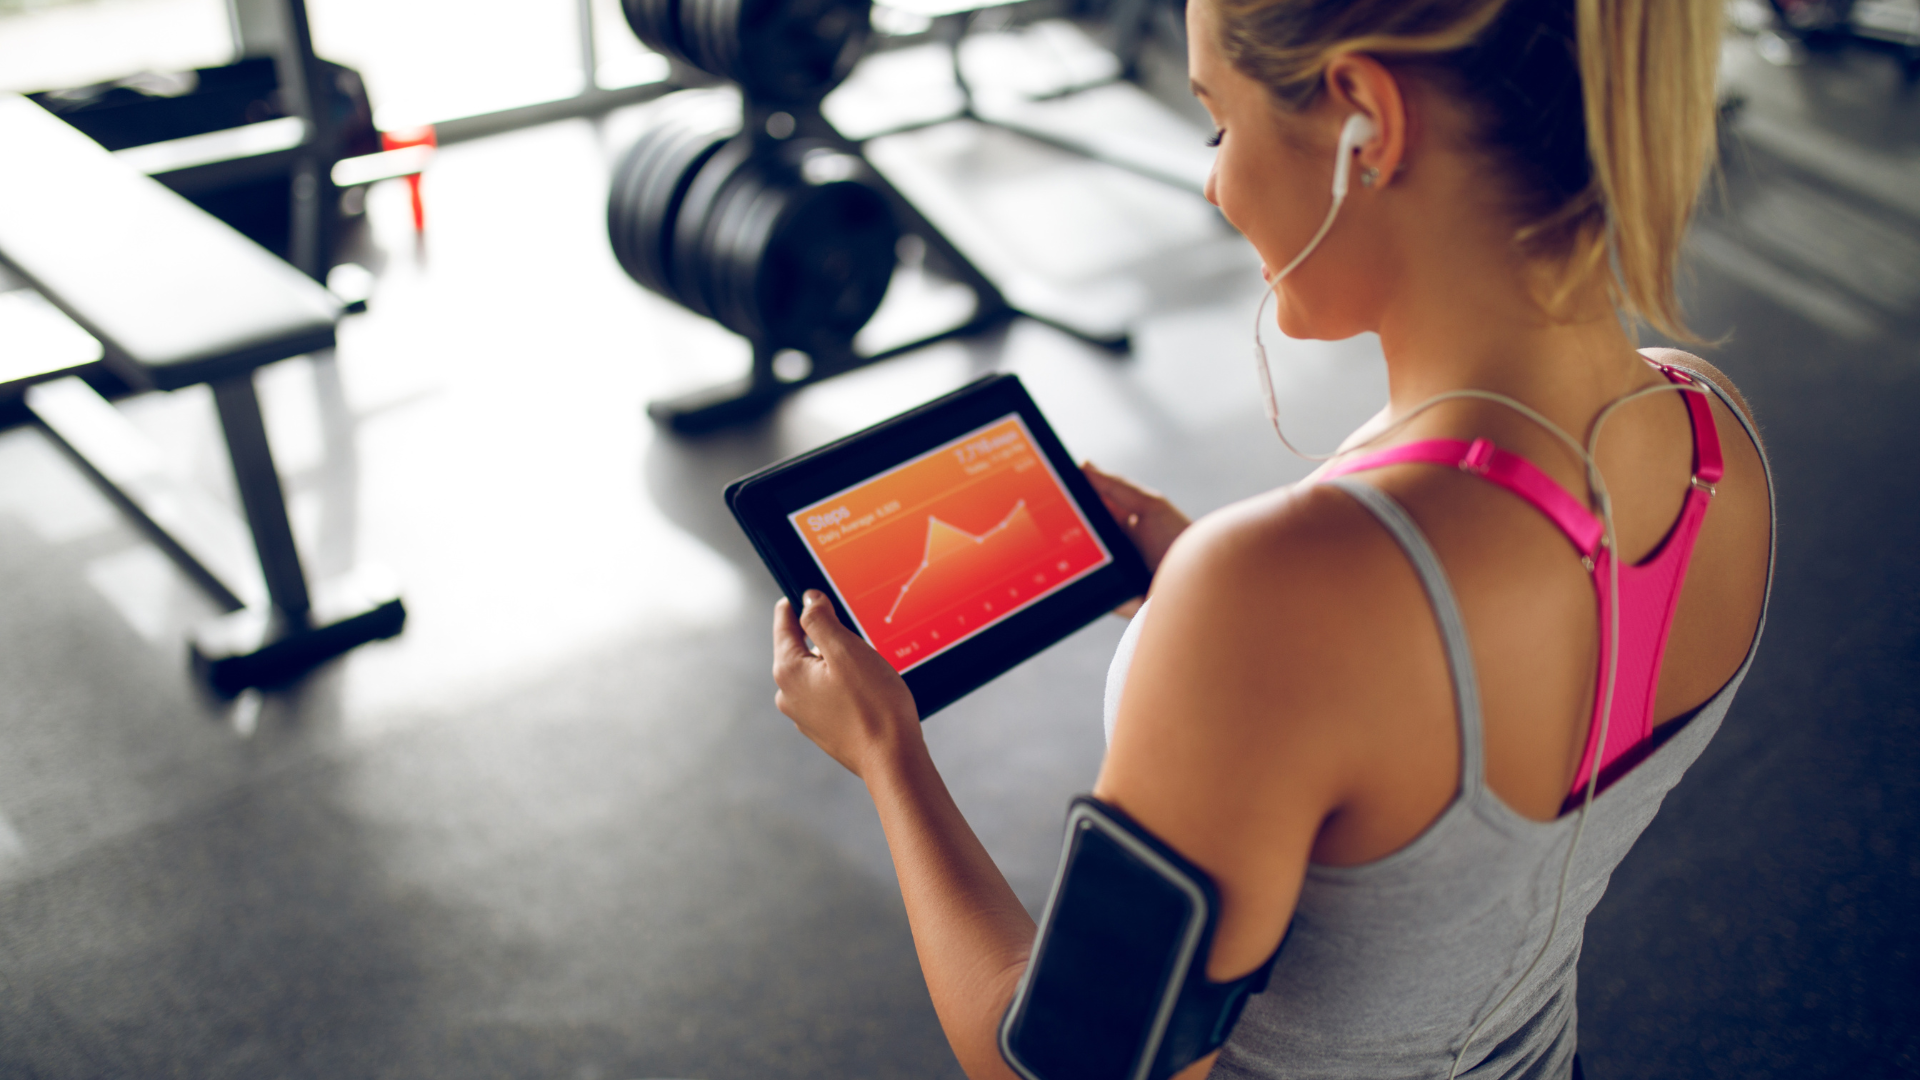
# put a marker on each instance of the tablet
(958, 538)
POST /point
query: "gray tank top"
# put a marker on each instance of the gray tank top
(1390, 964)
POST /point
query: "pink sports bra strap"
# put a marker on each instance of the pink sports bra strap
(1708, 466)
(1647, 593)
(1511, 471)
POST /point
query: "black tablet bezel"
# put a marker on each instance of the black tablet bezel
(762, 501)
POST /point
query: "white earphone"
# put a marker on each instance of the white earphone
(1353, 134)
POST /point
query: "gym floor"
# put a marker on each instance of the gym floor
(557, 829)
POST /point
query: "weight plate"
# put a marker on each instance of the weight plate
(736, 244)
(777, 50)
(629, 181)
(785, 257)
(657, 24)
(781, 243)
(700, 211)
(635, 201)
(827, 262)
(653, 178)
(796, 50)
(718, 23)
(646, 184)
(697, 138)
(692, 16)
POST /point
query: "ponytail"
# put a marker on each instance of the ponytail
(1647, 73)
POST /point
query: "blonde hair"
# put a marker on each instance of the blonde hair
(1601, 113)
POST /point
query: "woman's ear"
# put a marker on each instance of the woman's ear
(1360, 84)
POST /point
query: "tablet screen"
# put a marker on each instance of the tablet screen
(938, 548)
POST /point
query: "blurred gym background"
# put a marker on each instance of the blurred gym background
(554, 827)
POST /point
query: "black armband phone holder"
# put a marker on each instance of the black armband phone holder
(1117, 988)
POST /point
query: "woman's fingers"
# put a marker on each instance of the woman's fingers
(789, 642)
(1119, 487)
(1119, 497)
(1123, 497)
(822, 624)
(1145, 513)
(1111, 489)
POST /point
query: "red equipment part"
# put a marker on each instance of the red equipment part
(424, 135)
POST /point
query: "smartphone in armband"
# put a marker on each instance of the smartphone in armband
(1116, 988)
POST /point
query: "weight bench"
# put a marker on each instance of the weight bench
(175, 298)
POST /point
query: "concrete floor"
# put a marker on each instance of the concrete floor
(557, 828)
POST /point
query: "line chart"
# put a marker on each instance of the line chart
(933, 551)
(946, 541)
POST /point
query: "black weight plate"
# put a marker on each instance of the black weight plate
(637, 247)
(795, 50)
(785, 257)
(651, 181)
(663, 127)
(711, 31)
(659, 206)
(827, 263)
(692, 140)
(666, 15)
(737, 243)
(619, 227)
(702, 207)
(727, 244)
(657, 24)
(630, 176)
(690, 16)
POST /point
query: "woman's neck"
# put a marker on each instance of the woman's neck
(1456, 324)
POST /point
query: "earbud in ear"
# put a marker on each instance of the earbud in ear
(1353, 134)
(1358, 129)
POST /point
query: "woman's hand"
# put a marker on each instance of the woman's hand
(968, 926)
(1146, 516)
(841, 693)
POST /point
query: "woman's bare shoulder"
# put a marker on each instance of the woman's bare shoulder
(1278, 551)
(1267, 618)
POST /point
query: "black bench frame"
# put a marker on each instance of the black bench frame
(278, 628)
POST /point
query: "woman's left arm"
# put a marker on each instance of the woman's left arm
(970, 931)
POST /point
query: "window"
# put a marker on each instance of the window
(57, 44)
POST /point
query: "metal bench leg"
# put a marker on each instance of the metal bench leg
(260, 495)
(256, 647)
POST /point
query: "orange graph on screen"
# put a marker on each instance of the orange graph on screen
(956, 559)
(933, 551)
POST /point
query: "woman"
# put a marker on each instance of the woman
(1372, 707)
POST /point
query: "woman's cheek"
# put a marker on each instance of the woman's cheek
(1230, 191)
(1247, 204)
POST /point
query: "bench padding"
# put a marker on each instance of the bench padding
(174, 294)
